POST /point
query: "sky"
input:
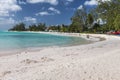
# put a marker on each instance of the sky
(51, 12)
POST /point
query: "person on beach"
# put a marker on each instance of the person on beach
(88, 36)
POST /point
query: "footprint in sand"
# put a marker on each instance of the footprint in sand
(5, 73)
(43, 59)
(46, 59)
(28, 61)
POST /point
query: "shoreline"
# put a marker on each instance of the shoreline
(96, 61)
(83, 35)
(90, 40)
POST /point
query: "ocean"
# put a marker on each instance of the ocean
(24, 40)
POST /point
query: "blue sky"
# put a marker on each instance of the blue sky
(51, 12)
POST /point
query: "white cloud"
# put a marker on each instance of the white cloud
(51, 11)
(4, 13)
(8, 6)
(80, 7)
(21, 2)
(44, 13)
(52, 2)
(7, 21)
(91, 2)
(70, 0)
(30, 19)
(54, 10)
(67, 2)
(104, 0)
(94, 2)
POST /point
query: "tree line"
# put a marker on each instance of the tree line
(40, 27)
(102, 18)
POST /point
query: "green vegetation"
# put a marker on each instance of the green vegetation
(109, 11)
(117, 22)
(39, 27)
(34, 27)
(18, 27)
(105, 17)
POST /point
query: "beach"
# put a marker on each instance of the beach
(99, 60)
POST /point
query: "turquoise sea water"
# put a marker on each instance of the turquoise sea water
(24, 40)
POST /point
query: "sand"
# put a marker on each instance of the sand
(97, 61)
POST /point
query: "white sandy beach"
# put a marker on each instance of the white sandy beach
(96, 61)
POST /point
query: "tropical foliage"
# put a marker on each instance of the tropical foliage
(18, 27)
(109, 11)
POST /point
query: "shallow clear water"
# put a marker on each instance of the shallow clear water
(24, 40)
